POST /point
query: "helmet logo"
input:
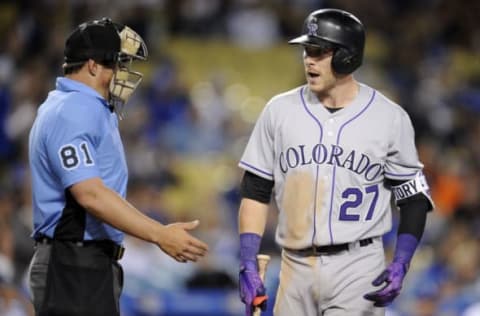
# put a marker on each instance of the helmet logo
(312, 27)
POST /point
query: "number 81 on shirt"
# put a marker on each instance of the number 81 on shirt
(69, 156)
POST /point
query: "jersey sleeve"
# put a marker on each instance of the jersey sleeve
(71, 145)
(258, 157)
(403, 163)
(402, 159)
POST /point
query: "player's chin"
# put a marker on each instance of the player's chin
(316, 87)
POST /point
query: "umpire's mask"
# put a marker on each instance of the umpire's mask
(113, 45)
(125, 80)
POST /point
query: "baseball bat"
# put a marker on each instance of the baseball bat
(262, 261)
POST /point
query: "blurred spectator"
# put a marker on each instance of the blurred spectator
(6, 71)
(13, 303)
(196, 18)
(253, 25)
(170, 119)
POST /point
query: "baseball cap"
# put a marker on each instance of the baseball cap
(98, 40)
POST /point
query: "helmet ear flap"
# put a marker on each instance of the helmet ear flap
(345, 61)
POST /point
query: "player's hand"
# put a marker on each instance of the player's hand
(252, 290)
(179, 244)
(392, 277)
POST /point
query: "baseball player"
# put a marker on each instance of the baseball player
(334, 152)
(79, 179)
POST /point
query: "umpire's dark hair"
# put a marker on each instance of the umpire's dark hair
(338, 28)
(71, 69)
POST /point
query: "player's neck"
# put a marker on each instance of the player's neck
(341, 95)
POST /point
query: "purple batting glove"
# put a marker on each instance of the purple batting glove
(393, 276)
(251, 286)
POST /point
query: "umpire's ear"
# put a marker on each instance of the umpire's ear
(92, 67)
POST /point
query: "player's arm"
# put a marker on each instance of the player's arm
(414, 207)
(414, 203)
(256, 193)
(252, 215)
(413, 199)
(108, 206)
(413, 212)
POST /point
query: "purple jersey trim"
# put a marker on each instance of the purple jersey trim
(255, 168)
(335, 166)
(318, 168)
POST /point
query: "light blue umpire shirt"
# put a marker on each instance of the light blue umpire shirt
(75, 137)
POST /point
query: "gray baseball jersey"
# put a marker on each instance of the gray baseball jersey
(329, 168)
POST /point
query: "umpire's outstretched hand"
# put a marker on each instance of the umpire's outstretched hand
(179, 244)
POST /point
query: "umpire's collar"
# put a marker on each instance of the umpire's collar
(69, 85)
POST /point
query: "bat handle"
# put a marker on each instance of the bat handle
(262, 261)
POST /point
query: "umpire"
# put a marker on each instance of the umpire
(79, 179)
